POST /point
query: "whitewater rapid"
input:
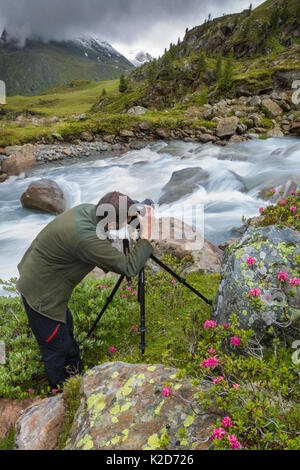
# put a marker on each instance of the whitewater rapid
(236, 175)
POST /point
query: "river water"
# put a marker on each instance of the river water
(237, 173)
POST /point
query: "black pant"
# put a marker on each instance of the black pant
(59, 350)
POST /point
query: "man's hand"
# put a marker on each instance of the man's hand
(146, 223)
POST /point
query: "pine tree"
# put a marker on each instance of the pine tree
(173, 51)
(218, 69)
(123, 84)
(104, 93)
(202, 63)
(247, 28)
(152, 71)
(227, 75)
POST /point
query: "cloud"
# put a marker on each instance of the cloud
(126, 22)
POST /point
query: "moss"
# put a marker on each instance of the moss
(266, 122)
(71, 398)
(8, 443)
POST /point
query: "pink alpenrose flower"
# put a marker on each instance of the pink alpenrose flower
(218, 379)
(226, 423)
(167, 392)
(112, 349)
(235, 341)
(255, 292)
(295, 281)
(218, 433)
(234, 443)
(293, 208)
(210, 362)
(282, 276)
(251, 261)
(210, 324)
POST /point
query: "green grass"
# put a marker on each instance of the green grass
(8, 443)
(65, 100)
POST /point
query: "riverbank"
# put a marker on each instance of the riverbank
(76, 136)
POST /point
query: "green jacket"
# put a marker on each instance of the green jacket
(63, 253)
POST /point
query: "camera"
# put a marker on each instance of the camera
(140, 207)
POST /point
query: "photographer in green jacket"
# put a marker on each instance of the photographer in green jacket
(63, 253)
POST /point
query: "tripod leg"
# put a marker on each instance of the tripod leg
(141, 297)
(109, 299)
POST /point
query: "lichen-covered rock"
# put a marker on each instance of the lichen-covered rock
(274, 249)
(40, 425)
(122, 407)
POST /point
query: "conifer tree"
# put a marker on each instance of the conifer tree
(123, 84)
(227, 75)
(152, 71)
(202, 63)
(218, 68)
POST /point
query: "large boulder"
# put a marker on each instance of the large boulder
(40, 425)
(275, 250)
(227, 127)
(184, 241)
(44, 195)
(182, 183)
(19, 161)
(123, 408)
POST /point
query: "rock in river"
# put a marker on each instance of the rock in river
(44, 195)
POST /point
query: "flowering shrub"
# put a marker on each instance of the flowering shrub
(254, 390)
(285, 212)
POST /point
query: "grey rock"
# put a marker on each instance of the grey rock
(183, 182)
(275, 250)
(227, 127)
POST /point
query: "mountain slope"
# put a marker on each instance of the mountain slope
(247, 33)
(39, 66)
(260, 48)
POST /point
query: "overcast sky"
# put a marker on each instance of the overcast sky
(129, 25)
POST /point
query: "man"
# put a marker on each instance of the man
(63, 253)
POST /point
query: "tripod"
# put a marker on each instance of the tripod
(141, 294)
